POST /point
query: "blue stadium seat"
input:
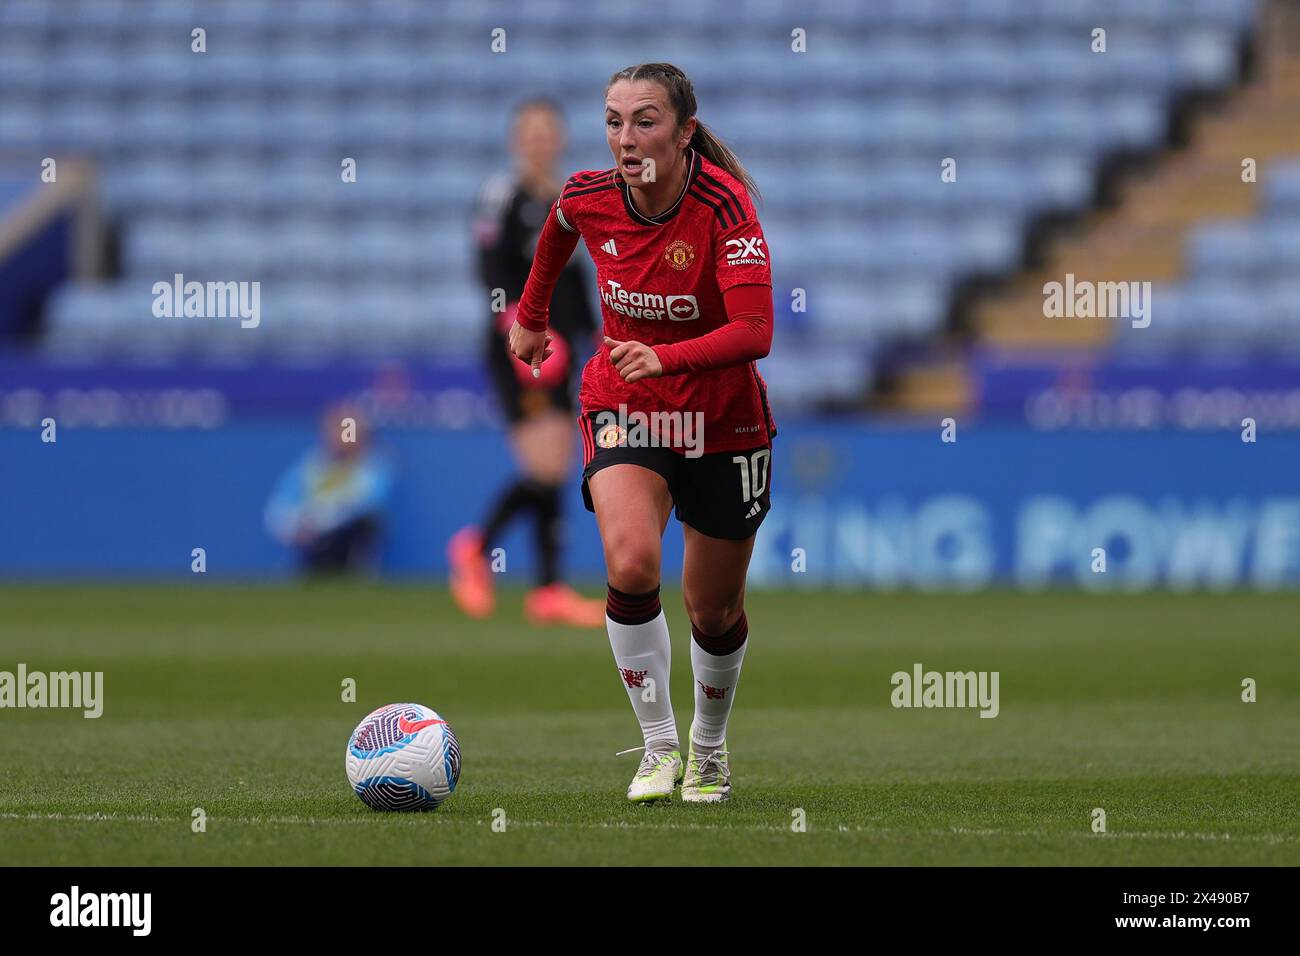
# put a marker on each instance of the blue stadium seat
(1282, 302)
(1223, 311)
(1281, 185)
(1279, 245)
(1225, 248)
(1135, 122)
(1207, 59)
(989, 63)
(1063, 123)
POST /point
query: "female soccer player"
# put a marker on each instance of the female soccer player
(507, 219)
(686, 296)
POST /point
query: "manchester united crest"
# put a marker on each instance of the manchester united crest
(611, 435)
(680, 254)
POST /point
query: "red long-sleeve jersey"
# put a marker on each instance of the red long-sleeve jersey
(694, 283)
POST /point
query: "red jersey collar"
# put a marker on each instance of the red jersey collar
(693, 158)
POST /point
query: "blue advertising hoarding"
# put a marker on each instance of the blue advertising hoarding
(852, 506)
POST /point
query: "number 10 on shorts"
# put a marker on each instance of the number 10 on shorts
(753, 473)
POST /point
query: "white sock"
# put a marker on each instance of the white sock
(716, 677)
(643, 655)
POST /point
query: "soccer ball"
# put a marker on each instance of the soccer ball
(403, 757)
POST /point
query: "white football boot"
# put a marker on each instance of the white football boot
(659, 773)
(708, 776)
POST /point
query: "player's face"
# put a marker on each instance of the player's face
(640, 127)
(539, 139)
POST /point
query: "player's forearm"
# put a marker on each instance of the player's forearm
(554, 247)
(746, 336)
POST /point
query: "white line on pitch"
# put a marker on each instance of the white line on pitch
(443, 820)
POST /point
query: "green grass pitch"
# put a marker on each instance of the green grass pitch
(229, 699)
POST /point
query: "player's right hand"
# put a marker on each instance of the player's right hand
(532, 348)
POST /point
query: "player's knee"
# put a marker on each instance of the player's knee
(713, 618)
(549, 471)
(633, 568)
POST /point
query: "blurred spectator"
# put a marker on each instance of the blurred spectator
(329, 506)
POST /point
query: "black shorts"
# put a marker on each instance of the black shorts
(724, 494)
(518, 401)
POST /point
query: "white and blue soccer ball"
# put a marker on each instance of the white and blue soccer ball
(403, 757)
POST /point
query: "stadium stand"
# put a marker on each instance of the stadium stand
(225, 164)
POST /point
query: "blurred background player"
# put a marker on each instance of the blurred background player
(508, 216)
(329, 506)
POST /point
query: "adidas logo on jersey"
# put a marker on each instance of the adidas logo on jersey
(610, 248)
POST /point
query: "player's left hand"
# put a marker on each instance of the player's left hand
(634, 360)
